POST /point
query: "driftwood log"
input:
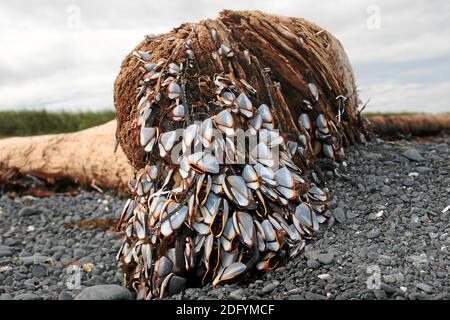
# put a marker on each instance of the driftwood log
(409, 125)
(83, 157)
(296, 52)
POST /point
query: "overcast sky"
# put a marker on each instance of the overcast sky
(65, 55)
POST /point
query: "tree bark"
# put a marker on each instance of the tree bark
(84, 157)
(296, 51)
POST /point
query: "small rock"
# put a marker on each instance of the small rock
(269, 288)
(424, 287)
(352, 215)
(29, 211)
(326, 258)
(415, 222)
(39, 270)
(423, 170)
(5, 253)
(26, 296)
(313, 264)
(390, 278)
(296, 297)
(380, 294)
(311, 254)
(413, 155)
(79, 253)
(314, 296)
(387, 288)
(64, 295)
(374, 156)
(36, 259)
(105, 292)
(237, 294)
(324, 276)
(374, 233)
(339, 214)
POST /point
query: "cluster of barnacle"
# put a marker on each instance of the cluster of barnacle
(203, 208)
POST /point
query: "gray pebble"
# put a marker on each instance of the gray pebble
(413, 155)
(238, 294)
(339, 214)
(29, 211)
(374, 233)
(325, 258)
(314, 296)
(424, 287)
(64, 295)
(39, 270)
(313, 264)
(26, 296)
(105, 292)
(79, 253)
(5, 253)
(269, 287)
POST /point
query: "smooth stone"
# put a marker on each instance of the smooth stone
(296, 297)
(413, 155)
(423, 170)
(414, 222)
(79, 253)
(380, 294)
(269, 288)
(325, 258)
(313, 264)
(339, 214)
(374, 233)
(27, 296)
(29, 211)
(34, 259)
(5, 253)
(314, 296)
(238, 294)
(105, 292)
(424, 287)
(64, 295)
(39, 270)
(374, 156)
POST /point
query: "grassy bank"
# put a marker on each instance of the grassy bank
(29, 123)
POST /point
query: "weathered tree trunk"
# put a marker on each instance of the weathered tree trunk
(84, 157)
(296, 51)
(415, 125)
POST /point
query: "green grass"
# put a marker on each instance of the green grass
(30, 123)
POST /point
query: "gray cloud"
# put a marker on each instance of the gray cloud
(47, 63)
